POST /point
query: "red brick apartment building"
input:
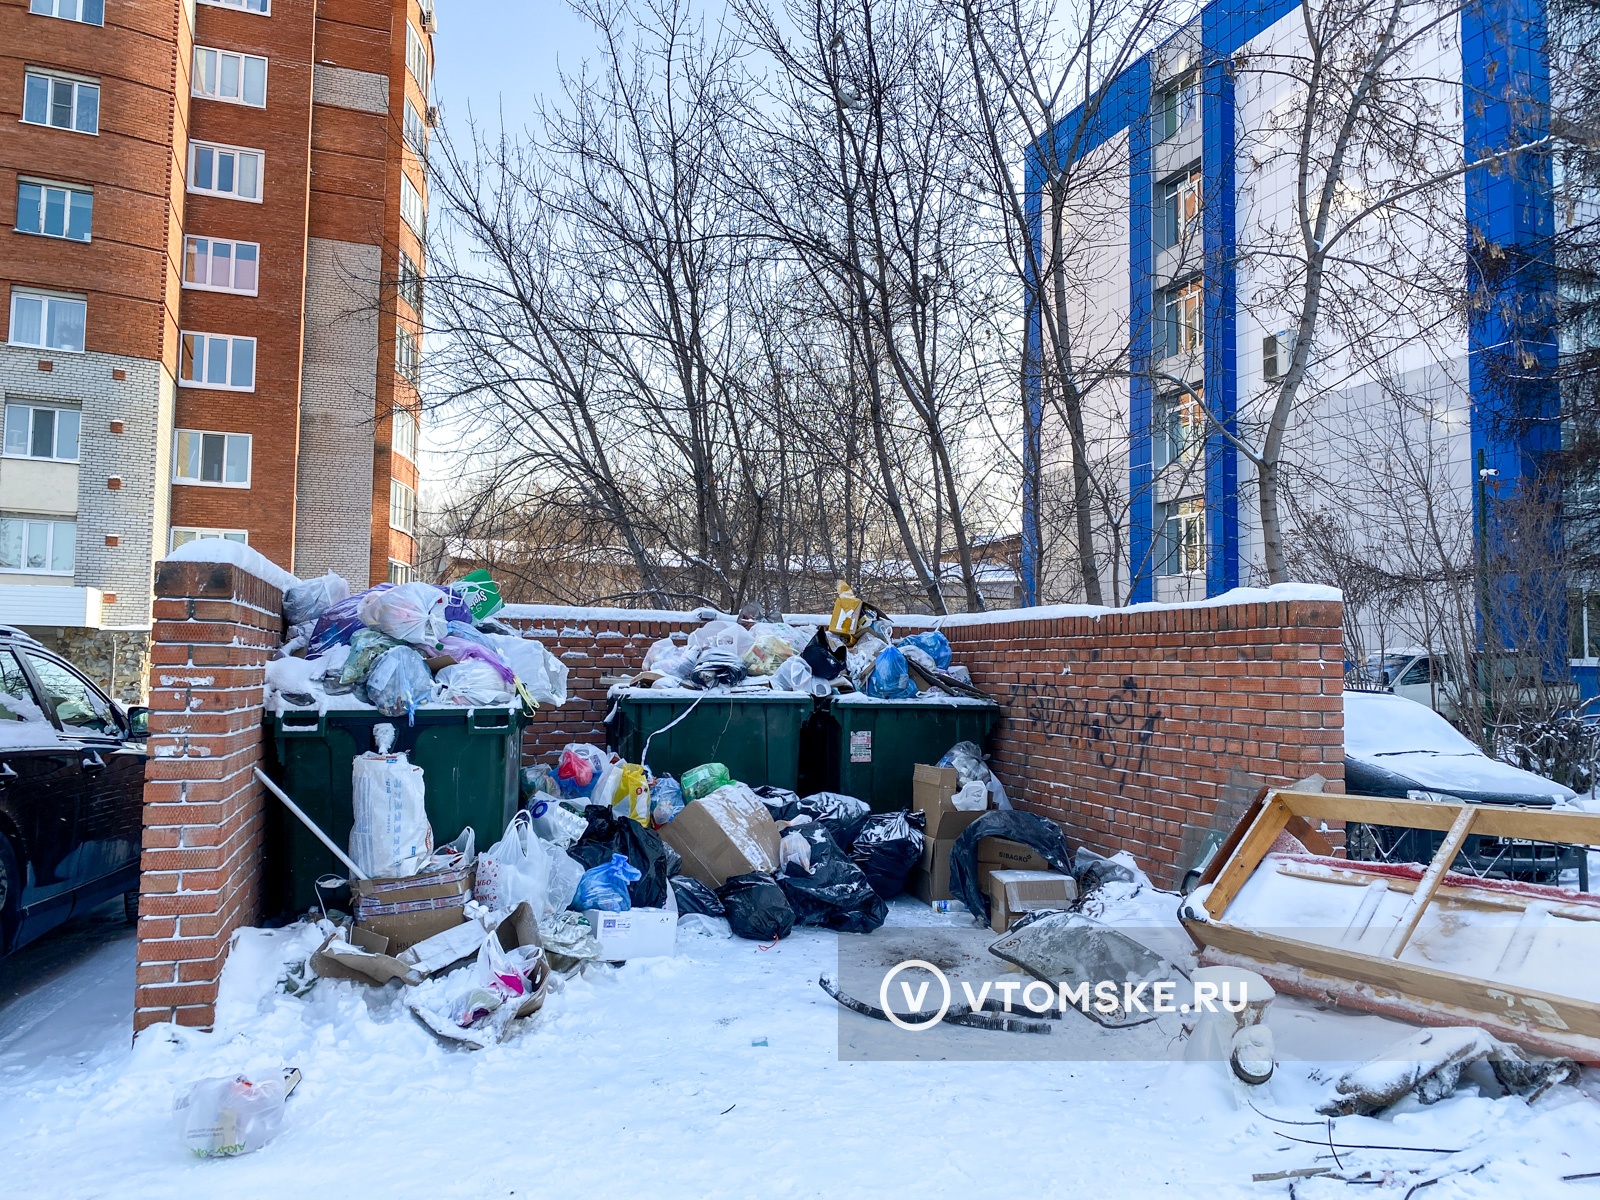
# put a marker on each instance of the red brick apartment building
(211, 226)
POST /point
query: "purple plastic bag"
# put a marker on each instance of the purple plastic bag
(339, 623)
(461, 650)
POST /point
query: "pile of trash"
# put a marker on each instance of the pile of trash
(401, 647)
(855, 652)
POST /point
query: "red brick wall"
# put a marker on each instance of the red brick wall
(215, 628)
(1125, 726)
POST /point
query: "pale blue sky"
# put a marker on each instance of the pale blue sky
(493, 52)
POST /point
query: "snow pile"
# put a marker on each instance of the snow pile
(221, 550)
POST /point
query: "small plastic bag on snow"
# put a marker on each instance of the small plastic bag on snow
(220, 1118)
(390, 836)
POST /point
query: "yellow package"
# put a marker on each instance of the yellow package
(633, 793)
(846, 619)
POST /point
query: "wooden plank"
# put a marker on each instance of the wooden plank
(1431, 878)
(1235, 836)
(1464, 896)
(1495, 820)
(1508, 1005)
(1252, 848)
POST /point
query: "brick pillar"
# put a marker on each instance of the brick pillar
(215, 627)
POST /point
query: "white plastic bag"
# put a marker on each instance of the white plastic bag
(390, 836)
(670, 659)
(542, 673)
(411, 612)
(973, 797)
(514, 869)
(219, 1118)
(722, 635)
(559, 826)
(473, 682)
(793, 848)
(794, 675)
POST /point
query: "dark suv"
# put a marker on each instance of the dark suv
(71, 792)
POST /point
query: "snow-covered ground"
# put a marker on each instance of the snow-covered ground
(713, 1073)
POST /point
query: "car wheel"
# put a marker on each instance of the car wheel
(10, 893)
(130, 905)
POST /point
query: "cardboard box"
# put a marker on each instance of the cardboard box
(728, 833)
(406, 911)
(637, 933)
(1012, 893)
(931, 880)
(932, 789)
(1004, 854)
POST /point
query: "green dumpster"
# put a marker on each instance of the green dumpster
(869, 748)
(469, 759)
(756, 737)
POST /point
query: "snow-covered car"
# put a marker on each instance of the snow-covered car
(71, 792)
(1396, 747)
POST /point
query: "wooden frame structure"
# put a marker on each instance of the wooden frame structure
(1551, 1021)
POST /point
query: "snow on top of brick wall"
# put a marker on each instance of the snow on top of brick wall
(221, 550)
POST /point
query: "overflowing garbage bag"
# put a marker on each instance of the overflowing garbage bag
(756, 907)
(416, 613)
(610, 834)
(931, 643)
(480, 593)
(834, 892)
(605, 886)
(886, 847)
(399, 682)
(670, 659)
(472, 683)
(579, 769)
(890, 677)
(521, 867)
(365, 647)
(309, 600)
(695, 897)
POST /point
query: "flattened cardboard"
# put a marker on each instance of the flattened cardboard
(1012, 893)
(729, 832)
(932, 789)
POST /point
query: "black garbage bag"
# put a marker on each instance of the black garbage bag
(1044, 836)
(824, 663)
(836, 893)
(887, 846)
(841, 815)
(695, 897)
(609, 834)
(1092, 871)
(756, 907)
(781, 802)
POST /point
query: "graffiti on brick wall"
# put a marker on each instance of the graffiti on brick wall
(1116, 732)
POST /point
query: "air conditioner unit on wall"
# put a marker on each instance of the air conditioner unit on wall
(430, 23)
(1276, 351)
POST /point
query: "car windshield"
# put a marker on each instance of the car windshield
(76, 704)
(1377, 725)
(1386, 668)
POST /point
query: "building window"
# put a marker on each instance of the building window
(416, 130)
(219, 265)
(1182, 549)
(221, 459)
(61, 102)
(46, 321)
(411, 283)
(54, 210)
(1178, 210)
(37, 432)
(225, 171)
(216, 360)
(417, 57)
(1179, 428)
(413, 209)
(224, 75)
(40, 547)
(264, 7)
(182, 537)
(400, 572)
(86, 12)
(405, 354)
(402, 507)
(1177, 104)
(404, 439)
(1180, 319)
(1583, 625)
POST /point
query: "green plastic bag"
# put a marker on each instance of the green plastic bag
(480, 593)
(703, 780)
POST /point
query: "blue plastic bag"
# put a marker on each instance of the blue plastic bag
(399, 681)
(666, 799)
(606, 887)
(891, 678)
(932, 643)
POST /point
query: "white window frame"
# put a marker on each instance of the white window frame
(220, 148)
(417, 57)
(224, 482)
(415, 127)
(49, 299)
(407, 355)
(71, 190)
(76, 5)
(56, 526)
(1183, 537)
(193, 240)
(1184, 411)
(402, 504)
(200, 533)
(202, 352)
(249, 6)
(410, 282)
(1180, 200)
(195, 88)
(1179, 302)
(31, 408)
(413, 207)
(403, 443)
(401, 572)
(78, 82)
